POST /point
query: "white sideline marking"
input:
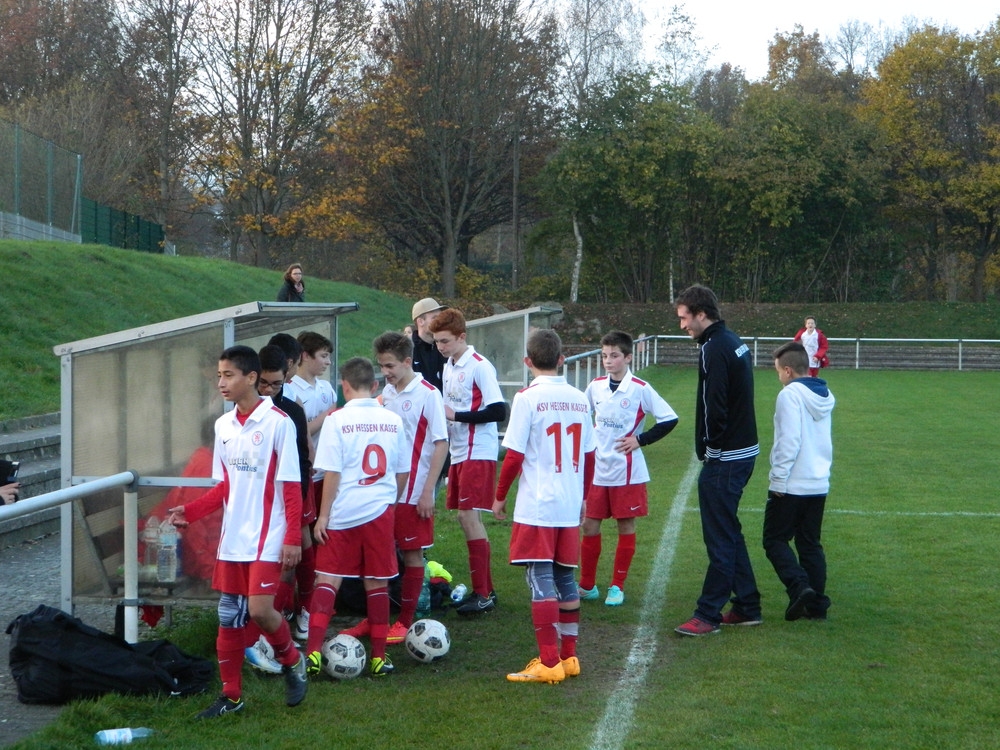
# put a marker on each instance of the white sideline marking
(614, 726)
(889, 513)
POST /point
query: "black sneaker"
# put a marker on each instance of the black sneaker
(381, 666)
(800, 604)
(476, 604)
(222, 705)
(295, 682)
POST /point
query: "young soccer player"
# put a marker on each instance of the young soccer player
(317, 398)
(274, 368)
(256, 464)
(620, 403)
(473, 405)
(799, 481)
(315, 394)
(550, 443)
(363, 450)
(419, 405)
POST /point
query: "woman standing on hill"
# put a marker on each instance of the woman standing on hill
(815, 344)
(293, 290)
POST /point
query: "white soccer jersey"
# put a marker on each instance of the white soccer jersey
(421, 408)
(550, 424)
(317, 398)
(256, 458)
(367, 446)
(617, 414)
(470, 384)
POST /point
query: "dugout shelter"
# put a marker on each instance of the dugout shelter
(145, 400)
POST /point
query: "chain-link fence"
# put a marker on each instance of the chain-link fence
(40, 187)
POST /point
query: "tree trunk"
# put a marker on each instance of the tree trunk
(574, 289)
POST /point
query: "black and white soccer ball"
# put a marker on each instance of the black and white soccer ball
(344, 657)
(427, 640)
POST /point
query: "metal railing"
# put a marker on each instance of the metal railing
(127, 479)
(845, 353)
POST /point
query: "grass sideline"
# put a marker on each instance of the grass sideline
(904, 661)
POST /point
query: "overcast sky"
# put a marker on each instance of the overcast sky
(740, 30)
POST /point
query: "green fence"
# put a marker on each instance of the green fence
(40, 198)
(39, 181)
(103, 225)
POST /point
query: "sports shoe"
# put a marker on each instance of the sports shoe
(571, 666)
(476, 604)
(538, 672)
(732, 617)
(396, 634)
(222, 705)
(381, 667)
(295, 682)
(588, 595)
(696, 627)
(361, 630)
(314, 663)
(259, 657)
(800, 604)
(300, 631)
(615, 597)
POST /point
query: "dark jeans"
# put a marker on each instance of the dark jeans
(720, 487)
(798, 517)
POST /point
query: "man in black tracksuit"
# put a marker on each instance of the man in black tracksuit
(726, 443)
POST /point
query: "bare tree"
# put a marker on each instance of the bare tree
(681, 50)
(157, 71)
(271, 71)
(600, 39)
(476, 78)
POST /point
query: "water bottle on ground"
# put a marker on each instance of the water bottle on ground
(166, 558)
(458, 593)
(121, 736)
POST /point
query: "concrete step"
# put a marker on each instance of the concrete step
(31, 444)
(36, 442)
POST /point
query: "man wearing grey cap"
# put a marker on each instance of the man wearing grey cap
(427, 360)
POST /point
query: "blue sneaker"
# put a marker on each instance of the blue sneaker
(588, 595)
(615, 598)
(260, 656)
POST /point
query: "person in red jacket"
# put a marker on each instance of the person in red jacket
(815, 343)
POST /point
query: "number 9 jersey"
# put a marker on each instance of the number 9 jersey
(366, 445)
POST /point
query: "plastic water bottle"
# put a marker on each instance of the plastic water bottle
(458, 593)
(166, 557)
(122, 736)
(150, 539)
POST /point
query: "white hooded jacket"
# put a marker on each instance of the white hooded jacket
(803, 448)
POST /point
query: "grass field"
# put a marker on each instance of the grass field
(906, 660)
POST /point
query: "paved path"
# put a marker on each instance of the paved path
(29, 576)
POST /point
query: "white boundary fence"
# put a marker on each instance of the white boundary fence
(844, 353)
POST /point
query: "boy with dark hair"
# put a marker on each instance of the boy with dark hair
(257, 468)
(419, 405)
(363, 450)
(550, 444)
(799, 481)
(292, 349)
(317, 398)
(473, 405)
(620, 403)
(274, 364)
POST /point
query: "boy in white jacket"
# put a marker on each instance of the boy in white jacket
(798, 483)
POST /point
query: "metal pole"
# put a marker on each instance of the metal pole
(131, 516)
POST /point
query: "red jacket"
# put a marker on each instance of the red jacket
(823, 345)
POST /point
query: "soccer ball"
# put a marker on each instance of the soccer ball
(344, 657)
(427, 640)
